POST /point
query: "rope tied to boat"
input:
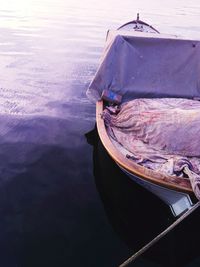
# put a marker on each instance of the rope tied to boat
(158, 237)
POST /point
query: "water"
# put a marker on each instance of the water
(62, 201)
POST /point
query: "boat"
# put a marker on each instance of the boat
(113, 79)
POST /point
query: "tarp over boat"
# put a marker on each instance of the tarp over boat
(136, 64)
(161, 134)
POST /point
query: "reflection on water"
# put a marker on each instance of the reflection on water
(51, 213)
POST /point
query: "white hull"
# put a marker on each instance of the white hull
(177, 201)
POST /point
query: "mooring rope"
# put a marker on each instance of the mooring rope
(158, 237)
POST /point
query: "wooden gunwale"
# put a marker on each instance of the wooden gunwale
(132, 167)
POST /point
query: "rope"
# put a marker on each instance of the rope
(158, 237)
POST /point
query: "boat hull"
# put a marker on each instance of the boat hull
(178, 202)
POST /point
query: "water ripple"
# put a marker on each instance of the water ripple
(52, 45)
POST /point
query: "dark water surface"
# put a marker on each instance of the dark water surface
(63, 202)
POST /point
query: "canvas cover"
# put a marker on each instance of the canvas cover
(161, 134)
(136, 65)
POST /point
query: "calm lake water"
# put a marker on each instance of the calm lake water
(63, 202)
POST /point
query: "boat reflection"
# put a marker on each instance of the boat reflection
(137, 215)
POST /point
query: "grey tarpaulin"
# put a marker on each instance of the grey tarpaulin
(136, 64)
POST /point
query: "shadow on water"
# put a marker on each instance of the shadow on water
(137, 216)
(42, 188)
(51, 214)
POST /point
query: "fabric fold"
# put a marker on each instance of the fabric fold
(160, 134)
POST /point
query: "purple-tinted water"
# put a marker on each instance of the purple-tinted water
(54, 210)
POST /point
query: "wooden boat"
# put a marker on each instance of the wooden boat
(177, 195)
